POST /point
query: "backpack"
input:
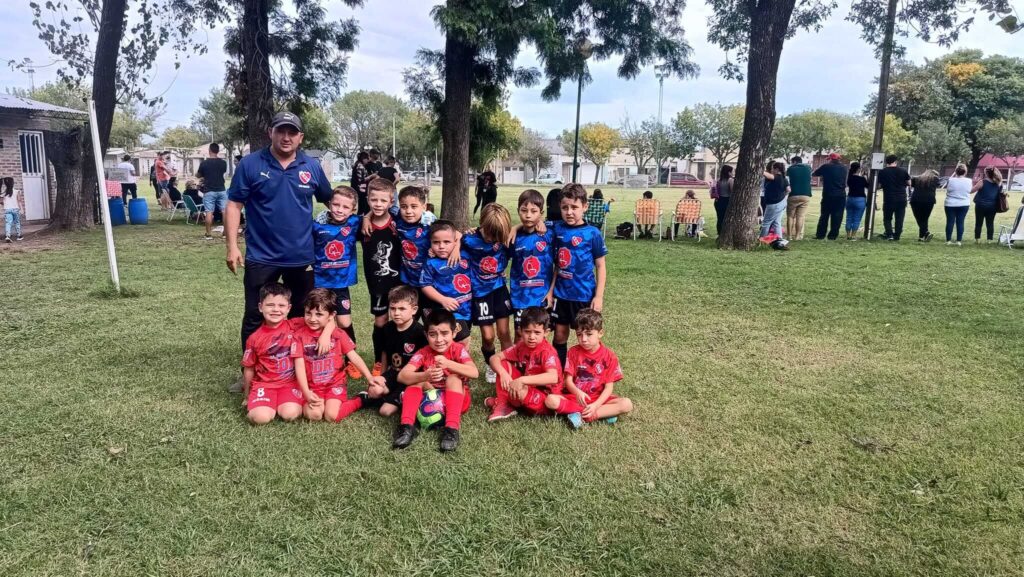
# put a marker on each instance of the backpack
(624, 230)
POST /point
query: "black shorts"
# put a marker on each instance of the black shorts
(379, 301)
(462, 330)
(344, 301)
(491, 307)
(395, 389)
(564, 312)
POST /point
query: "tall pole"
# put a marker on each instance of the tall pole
(576, 145)
(883, 97)
(657, 143)
(394, 152)
(115, 278)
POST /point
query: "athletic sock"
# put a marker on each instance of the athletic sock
(453, 408)
(351, 332)
(411, 404)
(378, 347)
(487, 353)
(563, 350)
(563, 407)
(348, 407)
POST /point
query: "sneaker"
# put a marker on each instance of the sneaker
(20, 238)
(491, 376)
(949, 243)
(378, 369)
(575, 419)
(238, 386)
(7, 239)
(489, 402)
(207, 237)
(449, 439)
(928, 237)
(353, 372)
(611, 420)
(500, 412)
(404, 436)
(958, 243)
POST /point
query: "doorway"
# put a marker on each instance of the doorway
(33, 176)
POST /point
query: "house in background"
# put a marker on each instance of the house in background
(22, 155)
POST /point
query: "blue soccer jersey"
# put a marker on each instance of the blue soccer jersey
(415, 241)
(451, 281)
(487, 262)
(334, 245)
(576, 248)
(532, 260)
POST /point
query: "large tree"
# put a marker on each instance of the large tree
(597, 142)
(940, 143)
(716, 127)
(815, 131)
(363, 119)
(484, 37)
(895, 140)
(1004, 139)
(533, 152)
(639, 141)
(418, 140)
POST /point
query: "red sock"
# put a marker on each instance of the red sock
(565, 406)
(348, 407)
(452, 405)
(411, 404)
(502, 395)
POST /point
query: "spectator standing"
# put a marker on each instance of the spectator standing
(13, 203)
(775, 190)
(554, 202)
(799, 176)
(725, 182)
(215, 197)
(164, 172)
(893, 180)
(833, 197)
(128, 184)
(374, 165)
(276, 187)
(389, 171)
(922, 201)
(486, 190)
(985, 202)
(957, 204)
(856, 201)
(359, 178)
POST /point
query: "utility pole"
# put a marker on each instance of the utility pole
(883, 97)
(661, 74)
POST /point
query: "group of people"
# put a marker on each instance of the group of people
(428, 286)
(368, 167)
(786, 191)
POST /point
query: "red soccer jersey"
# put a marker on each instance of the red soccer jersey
(424, 358)
(592, 371)
(270, 352)
(326, 370)
(535, 361)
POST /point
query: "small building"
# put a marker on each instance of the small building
(22, 155)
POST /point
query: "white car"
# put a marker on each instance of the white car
(548, 179)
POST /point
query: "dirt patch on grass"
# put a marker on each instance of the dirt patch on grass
(35, 241)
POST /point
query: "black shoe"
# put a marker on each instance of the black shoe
(449, 439)
(404, 436)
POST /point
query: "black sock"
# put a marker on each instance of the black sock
(351, 332)
(487, 353)
(377, 346)
(562, 349)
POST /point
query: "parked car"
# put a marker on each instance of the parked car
(548, 178)
(684, 179)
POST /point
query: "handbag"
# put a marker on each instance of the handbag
(1002, 201)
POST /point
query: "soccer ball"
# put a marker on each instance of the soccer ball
(431, 411)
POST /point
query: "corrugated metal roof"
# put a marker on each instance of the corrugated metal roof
(11, 102)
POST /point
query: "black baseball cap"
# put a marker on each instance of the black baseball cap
(286, 119)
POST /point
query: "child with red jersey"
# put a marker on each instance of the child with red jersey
(442, 364)
(382, 260)
(325, 391)
(334, 242)
(591, 371)
(528, 371)
(273, 374)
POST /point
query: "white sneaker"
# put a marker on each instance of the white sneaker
(949, 243)
(491, 376)
(958, 243)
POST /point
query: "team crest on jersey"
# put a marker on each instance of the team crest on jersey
(496, 247)
(337, 390)
(305, 176)
(419, 232)
(409, 347)
(531, 267)
(345, 303)
(296, 393)
(541, 245)
(598, 368)
(462, 284)
(409, 250)
(464, 263)
(334, 250)
(345, 230)
(489, 265)
(564, 257)
(576, 241)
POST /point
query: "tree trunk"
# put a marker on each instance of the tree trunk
(766, 41)
(972, 165)
(458, 89)
(104, 72)
(73, 209)
(259, 87)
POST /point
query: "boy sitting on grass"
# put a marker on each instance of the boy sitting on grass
(528, 371)
(442, 364)
(325, 389)
(273, 373)
(400, 338)
(591, 371)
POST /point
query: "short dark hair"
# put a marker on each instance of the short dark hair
(390, 160)
(379, 185)
(574, 191)
(374, 153)
(214, 148)
(440, 317)
(411, 190)
(589, 320)
(648, 194)
(430, 207)
(441, 225)
(403, 293)
(363, 155)
(891, 159)
(531, 196)
(321, 298)
(535, 316)
(779, 166)
(796, 160)
(854, 167)
(275, 289)
(597, 195)
(126, 157)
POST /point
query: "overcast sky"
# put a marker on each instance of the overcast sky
(830, 69)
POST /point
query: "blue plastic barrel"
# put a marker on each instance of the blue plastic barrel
(116, 211)
(138, 211)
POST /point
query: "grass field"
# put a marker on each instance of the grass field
(838, 409)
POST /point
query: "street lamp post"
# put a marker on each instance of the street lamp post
(585, 48)
(661, 74)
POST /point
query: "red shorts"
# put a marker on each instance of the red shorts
(533, 401)
(273, 397)
(569, 404)
(336, 392)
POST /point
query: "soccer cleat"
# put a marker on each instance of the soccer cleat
(378, 369)
(491, 376)
(489, 402)
(449, 439)
(353, 372)
(611, 420)
(575, 419)
(404, 436)
(501, 411)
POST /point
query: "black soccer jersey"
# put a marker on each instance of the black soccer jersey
(400, 346)
(382, 258)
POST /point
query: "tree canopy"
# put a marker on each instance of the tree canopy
(716, 127)
(597, 142)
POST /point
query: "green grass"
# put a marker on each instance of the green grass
(839, 409)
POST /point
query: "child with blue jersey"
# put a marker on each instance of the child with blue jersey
(336, 265)
(448, 286)
(580, 278)
(532, 261)
(413, 236)
(487, 248)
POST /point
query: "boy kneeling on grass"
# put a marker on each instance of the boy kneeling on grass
(591, 371)
(528, 371)
(272, 367)
(442, 364)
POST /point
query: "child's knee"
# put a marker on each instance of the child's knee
(313, 414)
(625, 405)
(453, 383)
(261, 416)
(290, 411)
(552, 401)
(387, 410)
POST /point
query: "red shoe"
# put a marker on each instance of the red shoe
(501, 412)
(378, 369)
(353, 372)
(489, 402)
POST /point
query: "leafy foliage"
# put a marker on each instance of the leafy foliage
(939, 143)
(533, 152)
(219, 120)
(1004, 137)
(494, 132)
(417, 139)
(716, 127)
(638, 141)
(181, 138)
(362, 119)
(895, 140)
(813, 131)
(597, 142)
(938, 21)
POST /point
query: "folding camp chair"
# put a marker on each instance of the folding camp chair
(174, 209)
(647, 213)
(688, 214)
(1009, 234)
(596, 215)
(193, 209)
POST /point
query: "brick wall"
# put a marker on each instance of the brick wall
(10, 155)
